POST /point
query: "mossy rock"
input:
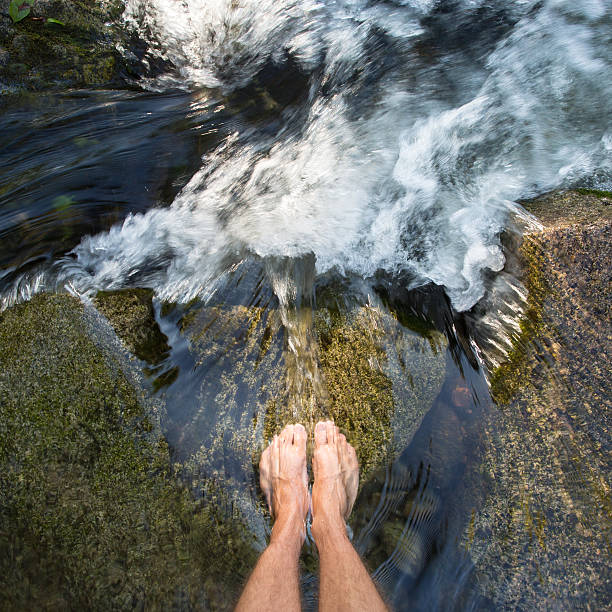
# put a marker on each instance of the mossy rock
(91, 514)
(543, 535)
(82, 52)
(130, 312)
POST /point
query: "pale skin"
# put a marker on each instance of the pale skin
(345, 584)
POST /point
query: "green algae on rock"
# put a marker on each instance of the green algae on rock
(130, 312)
(242, 350)
(91, 515)
(360, 394)
(546, 472)
(381, 379)
(82, 52)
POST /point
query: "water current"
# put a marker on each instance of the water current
(292, 178)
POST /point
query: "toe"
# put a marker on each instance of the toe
(320, 433)
(275, 458)
(351, 456)
(342, 444)
(331, 431)
(265, 474)
(264, 461)
(299, 437)
(286, 435)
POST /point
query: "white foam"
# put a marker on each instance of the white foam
(411, 183)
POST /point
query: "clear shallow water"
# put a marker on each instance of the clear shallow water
(308, 158)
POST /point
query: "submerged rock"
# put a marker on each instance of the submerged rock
(542, 539)
(91, 513)
(130, 312)
(381, 380)
(378, 380)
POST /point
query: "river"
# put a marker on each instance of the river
(296, 180)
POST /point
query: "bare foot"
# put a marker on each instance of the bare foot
(336, 478)
(284, 481)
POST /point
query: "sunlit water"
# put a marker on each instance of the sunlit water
(371, 152)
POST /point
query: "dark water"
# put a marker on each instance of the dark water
(199, 194)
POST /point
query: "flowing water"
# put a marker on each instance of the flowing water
(316, 192)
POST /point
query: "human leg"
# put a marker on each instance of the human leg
(344, 582)
(274, 583)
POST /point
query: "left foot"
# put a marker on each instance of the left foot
(284, 481)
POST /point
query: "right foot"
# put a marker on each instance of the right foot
(336, 478)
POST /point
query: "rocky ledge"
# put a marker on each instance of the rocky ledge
(542, 538)
(82, 50)
(92, 515)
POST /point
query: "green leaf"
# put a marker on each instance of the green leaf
(51, 20)
(18, 10)
(62, 202)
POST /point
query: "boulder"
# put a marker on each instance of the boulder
(92, 515)
(542, 537)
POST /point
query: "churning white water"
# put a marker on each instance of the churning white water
(422, 123)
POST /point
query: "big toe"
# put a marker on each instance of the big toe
(286, 435)
(331, 432)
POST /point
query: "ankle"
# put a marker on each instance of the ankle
(289, 532)
(328, 527)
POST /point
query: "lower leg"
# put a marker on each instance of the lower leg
(345, 584)
(274, 583)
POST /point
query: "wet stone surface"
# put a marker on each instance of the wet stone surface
(543, 536)
(91, 513)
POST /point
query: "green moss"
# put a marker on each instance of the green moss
(130, 312)
(360, 395)
(91, 516)
(595, 192)
(512, 375)
(354, 391)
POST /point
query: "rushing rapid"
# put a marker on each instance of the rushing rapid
(415, 130)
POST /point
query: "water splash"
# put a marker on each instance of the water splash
(407, 156)
(293, 284)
